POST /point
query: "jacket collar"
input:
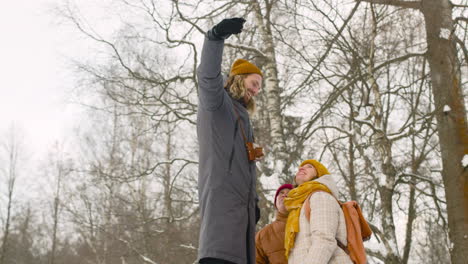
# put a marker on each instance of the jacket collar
(281, 217)
(239, 101)
(328, 181)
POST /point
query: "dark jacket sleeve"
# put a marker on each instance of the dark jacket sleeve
(210, 79)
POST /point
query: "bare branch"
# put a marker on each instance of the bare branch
(399, 59)
(245, 47)
(176, 3)
(465, 19)
(143, 257)
(398, 3)
(334, 95)
(337, 35)
(463, 47)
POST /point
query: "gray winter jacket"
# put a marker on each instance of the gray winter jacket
(226, 179)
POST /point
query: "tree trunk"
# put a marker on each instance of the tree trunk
(271, 84)
(12, 147)
(60, 172)
(383, 152)
(6, 230)
(450, 113)
(451, 125)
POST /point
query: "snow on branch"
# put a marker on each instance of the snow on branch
(444, 33)
(465, 161)
(447, 109)
(145, 259)
(188, 246)
(429, 180)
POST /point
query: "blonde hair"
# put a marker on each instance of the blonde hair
(236, 89)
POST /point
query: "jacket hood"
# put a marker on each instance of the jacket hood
(328, 181)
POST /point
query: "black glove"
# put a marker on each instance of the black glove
(227, 27)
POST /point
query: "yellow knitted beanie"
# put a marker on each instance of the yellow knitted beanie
(321, 170)
(241, 66)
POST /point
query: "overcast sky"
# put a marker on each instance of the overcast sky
(35, 80)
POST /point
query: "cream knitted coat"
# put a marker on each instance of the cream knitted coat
(316, 241)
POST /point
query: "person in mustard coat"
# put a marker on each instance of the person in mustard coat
(269, 241)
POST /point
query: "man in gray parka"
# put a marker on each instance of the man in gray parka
(226, 180)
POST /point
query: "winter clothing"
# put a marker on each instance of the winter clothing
(319, 167)
(316, 240)
(226, 27)
(269, 242)
(284, 186)
(226, 179)
(241, 66)
(293, 203)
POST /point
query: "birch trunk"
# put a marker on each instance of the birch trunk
(383, 149)
(271, 85)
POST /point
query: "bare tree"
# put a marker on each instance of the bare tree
(58, 167)
(12, 155)
(451, 124)
(365, 134)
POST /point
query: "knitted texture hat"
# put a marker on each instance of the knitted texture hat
(321, 170)
(284, 186)
(241, 66)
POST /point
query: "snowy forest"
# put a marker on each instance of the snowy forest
(375, 89)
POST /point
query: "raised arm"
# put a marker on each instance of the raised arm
(209, 75)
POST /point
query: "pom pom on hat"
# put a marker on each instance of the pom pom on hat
(321, 170)
(241, 66)
(284, 186)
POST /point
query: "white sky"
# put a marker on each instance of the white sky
(36, 81)
(34, 78)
